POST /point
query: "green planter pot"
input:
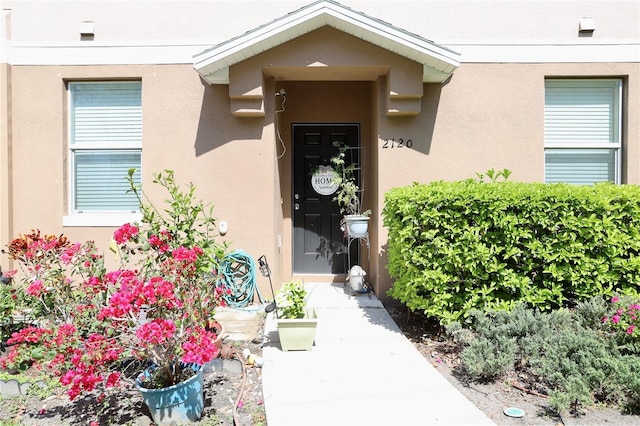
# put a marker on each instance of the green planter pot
(179, 404)
(298, 334)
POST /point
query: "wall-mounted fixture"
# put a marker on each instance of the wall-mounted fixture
(586, 25)
(223, 228)
(87, 28)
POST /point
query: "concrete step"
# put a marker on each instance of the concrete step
(241, 324)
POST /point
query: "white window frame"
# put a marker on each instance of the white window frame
(615, 142)
(93, 218)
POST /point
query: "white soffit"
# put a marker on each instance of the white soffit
(438, 61)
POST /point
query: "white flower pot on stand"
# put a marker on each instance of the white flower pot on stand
(356, 225)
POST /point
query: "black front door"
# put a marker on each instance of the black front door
(318, 245)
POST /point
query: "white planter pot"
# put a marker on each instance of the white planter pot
(357, 225)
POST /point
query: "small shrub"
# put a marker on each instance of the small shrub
(44, 387)
(589, 313)
(580, 363)
(574, 395)
(456, 332)
(568, 353)
(486, 359)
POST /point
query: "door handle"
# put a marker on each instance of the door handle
(296, 206)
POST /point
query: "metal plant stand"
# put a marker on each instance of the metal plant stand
(351, 238)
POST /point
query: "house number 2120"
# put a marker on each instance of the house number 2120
(400, 143)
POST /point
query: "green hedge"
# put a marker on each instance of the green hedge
(456, 246)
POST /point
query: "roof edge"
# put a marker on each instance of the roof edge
(214, 62)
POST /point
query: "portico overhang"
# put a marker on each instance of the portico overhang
(437, 62)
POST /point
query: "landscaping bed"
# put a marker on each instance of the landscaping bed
(222, 386)
(505, 391)
(124, 407)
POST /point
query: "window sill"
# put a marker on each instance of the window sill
(99, 219)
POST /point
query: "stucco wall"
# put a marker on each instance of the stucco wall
(443, 21)
(492, 116)
(186, 127)
(489, 114)
(485, 116)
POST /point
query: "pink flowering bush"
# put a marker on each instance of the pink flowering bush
(156, 307)
(52, 269)
(625, 321)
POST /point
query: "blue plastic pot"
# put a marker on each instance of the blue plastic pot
(182, 403)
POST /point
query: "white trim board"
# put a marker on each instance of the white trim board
(33, 54)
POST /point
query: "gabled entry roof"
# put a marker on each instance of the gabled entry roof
(438, 61)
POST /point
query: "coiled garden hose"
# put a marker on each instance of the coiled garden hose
(238, 271)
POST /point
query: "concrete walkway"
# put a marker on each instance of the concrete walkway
(361, 371)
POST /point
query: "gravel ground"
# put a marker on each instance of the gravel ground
(224, 379)
(227, 377)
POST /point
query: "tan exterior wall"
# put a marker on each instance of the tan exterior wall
(186, 127)
(489, 114)
(486, 116)
(492, 116)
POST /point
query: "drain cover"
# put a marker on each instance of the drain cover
(514, 412)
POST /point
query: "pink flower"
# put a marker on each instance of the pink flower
(120, 304)
(154, 241)
(11, 273)
(95, 285)
(113, 379)
(125, 233)
(69, 254)
(630, 329)
(159, 242)
(49, 245)
(184, 254)
(28, 335)
(64, 334)
(615, 299)
(156, 332)
(199, 347)
(615, 319)
(36, 289)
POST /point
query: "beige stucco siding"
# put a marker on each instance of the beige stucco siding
(186, 127)
(223, 137)
(485, 116)
(491, 116)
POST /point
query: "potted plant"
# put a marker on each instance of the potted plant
(349, 194)
(296, 321)
(153, 311)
